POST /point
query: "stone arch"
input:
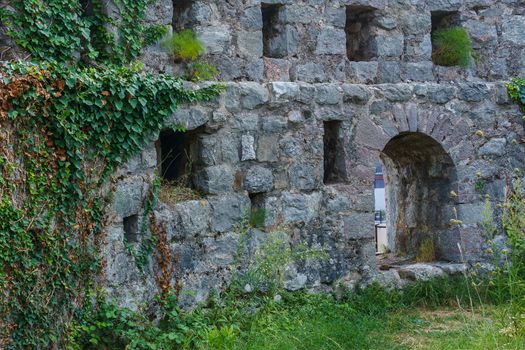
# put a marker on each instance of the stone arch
(419, 178)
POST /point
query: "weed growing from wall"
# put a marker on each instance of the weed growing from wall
(453, 47)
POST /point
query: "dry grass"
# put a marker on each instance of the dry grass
(172, 193)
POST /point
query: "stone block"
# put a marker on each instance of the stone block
(397, 93)
(253, 95)
(301, 14)
(250, 44)
(512, 29)
(363, 72)
(193, 217)
(274, 124)
(276, 69)
(268, 148)
(300, 208)
(216, 39)
(247, 147)
(389, 72)
(309, 72)
(129, 196)
(494, 147)
(328, 94)
(473, 92)
(331, 41)
(482, 34)
(251, 19)
(304, 176)
(227, 211)
(191, 118)
(215, 179)
(355, 94)
(418, 71)
(284, 91)
(258, 179)
(359, 226)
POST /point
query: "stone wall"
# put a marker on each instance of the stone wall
(393, 39)
(299, 135)
(267, 141)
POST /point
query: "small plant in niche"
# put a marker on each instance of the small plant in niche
(184, 45)
(453, 47)
(186, 48)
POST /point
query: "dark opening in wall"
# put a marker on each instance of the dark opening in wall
(176, 152)
(334, 155)
(443, 20)
(359, 33)
(419, 177)
(274, 34)
(131, 228)
(181, 14)
(257, 212)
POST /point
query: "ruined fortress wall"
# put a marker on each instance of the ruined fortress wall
(299, 136)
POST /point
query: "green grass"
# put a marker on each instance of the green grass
(452, 47)
(319, 322)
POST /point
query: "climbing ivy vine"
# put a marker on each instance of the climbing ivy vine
(67, 120)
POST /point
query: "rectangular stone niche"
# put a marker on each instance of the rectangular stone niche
(181, 14)
(257, 210)
(443, 20)
(359, 33)
(274, 31)
(177, 155)
(334, 159)
(131, 228)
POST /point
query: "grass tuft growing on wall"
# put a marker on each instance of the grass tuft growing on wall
(452, 47)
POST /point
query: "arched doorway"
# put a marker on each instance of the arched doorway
(420, 192)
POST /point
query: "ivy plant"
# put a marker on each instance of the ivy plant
(68, 119)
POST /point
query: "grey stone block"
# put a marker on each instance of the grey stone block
(331, 41)
(300, 208)
(215, 179)
(359, 225)
(304, 176)
(512, 29)
(227, 211)
(193, 217)
(258, 179)
(494, 147)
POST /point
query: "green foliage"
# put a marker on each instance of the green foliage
(112, 327)
(452, 47)
(202, 71)
(58, 30)
(263, 268)
(257, 217)
(70, 128)
(516, 90)
(184, 45)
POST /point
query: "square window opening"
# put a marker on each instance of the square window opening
(177, 152)
(442, 20)
(131, 228)
(274, 33)
(334, 159)
(182, 14)
(359, 33)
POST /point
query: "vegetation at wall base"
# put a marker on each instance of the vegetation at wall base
(452, 47)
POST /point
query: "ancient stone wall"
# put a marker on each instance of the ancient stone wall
(299, 134)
